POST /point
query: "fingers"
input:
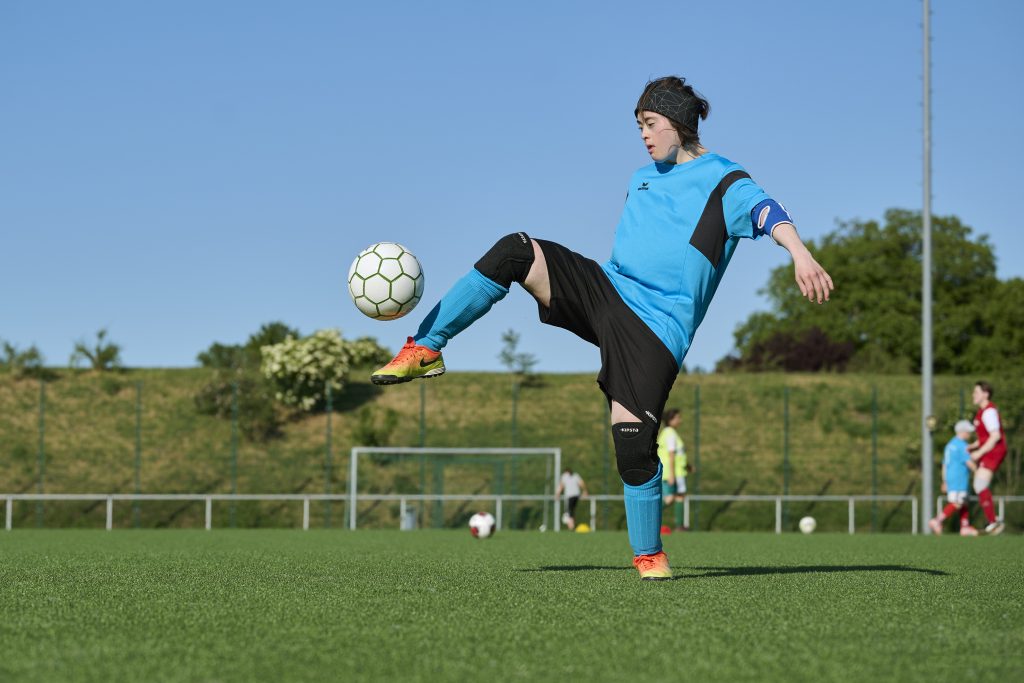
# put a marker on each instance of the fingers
(814, 283)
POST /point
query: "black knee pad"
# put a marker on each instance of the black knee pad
(509, 260)
(636, 451)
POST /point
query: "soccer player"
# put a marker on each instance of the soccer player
(573, 486)
(684, 216)
(672, 454)
(956, 462)
(988, 451)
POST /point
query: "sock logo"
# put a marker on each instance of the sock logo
(650, 415)
(644, 186)
(522, 236)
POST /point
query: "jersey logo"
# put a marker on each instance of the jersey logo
(644, 186)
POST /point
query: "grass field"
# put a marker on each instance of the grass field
(441, 605)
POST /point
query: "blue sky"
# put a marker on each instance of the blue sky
(181, 172)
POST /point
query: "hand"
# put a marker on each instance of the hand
(671, 480)
(814, 282)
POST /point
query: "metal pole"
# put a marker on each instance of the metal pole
(497, 513)
(778, 515)
(606, 426)
(9, 513)
(785, 451)
(110, 513)
(927, 457)
(515, 401)
(874, 458)
(696, 454)
(209, 513)
(138, 454)
(423, 415)
(327, 458)
(234, 449)
(305, 514)
(42, 450)
(352, 474)
(556, 502)
(851, 520)
(593, 514)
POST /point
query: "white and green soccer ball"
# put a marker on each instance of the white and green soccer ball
(385, 281)
(808, 525)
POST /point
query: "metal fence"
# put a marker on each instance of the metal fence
(498, 500)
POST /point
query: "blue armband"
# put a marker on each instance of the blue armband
(766, 215)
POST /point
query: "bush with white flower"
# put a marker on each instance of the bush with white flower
(301, 369)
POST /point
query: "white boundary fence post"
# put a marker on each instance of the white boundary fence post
(110, 513)
(686, 512)
(1002, 509)
(853, 526)
(913, 516)
(778, 514)
(9, 513)
(593, 514)
(209, 513)
(353, 486)
(305, 513)
(497, 513)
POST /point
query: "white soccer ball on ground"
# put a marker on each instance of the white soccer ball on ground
(482, 524)
(385, 281)
(808, 525)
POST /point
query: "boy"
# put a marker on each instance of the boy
(956, 462)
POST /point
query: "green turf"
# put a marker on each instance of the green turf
(440, 605)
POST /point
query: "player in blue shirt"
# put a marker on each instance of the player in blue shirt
(684, 217)
(956, 467)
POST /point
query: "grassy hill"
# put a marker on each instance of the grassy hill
(89, 444)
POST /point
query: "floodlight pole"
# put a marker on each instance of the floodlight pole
(927, 456)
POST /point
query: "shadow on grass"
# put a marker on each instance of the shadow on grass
(721, 572)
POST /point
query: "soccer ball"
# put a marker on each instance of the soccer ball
(808, 525)
(482, 524)
(385, 281)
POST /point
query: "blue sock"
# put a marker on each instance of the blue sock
(468, 299)
(643, 515)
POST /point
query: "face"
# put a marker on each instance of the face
(978, 395)
(676, 419)
(660, 138)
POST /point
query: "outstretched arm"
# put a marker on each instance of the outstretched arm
(814, 282)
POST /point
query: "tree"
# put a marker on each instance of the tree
(27, 363)
(248, 355)
(876, 307)
(519, 364)
(101, 356)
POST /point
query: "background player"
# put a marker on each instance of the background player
(956, 462)
(988, 451)
(684, 217)
(672, 454)
(573, 486)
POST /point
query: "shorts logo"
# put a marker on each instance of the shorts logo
(650, 415)
(631, 430)
(644, 186)
(522, 236)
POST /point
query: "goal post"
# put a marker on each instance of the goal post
(552, 458)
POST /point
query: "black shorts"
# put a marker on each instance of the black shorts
(571, 506)
(637, 369)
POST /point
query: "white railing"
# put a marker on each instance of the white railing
(498, 500)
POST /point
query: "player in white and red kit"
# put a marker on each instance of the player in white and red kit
(988, 451)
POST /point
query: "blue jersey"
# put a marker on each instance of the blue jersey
(679, 229)
(955, 460)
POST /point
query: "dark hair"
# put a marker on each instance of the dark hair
(685, 109)
(669, 414)
(986, 387)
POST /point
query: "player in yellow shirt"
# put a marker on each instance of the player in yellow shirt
(673, 463)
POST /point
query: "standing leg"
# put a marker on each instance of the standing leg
(640, 469)
(982, 481)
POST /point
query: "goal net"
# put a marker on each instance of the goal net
(441, 488)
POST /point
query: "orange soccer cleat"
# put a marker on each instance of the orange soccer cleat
(653, 567)
(412, 362)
